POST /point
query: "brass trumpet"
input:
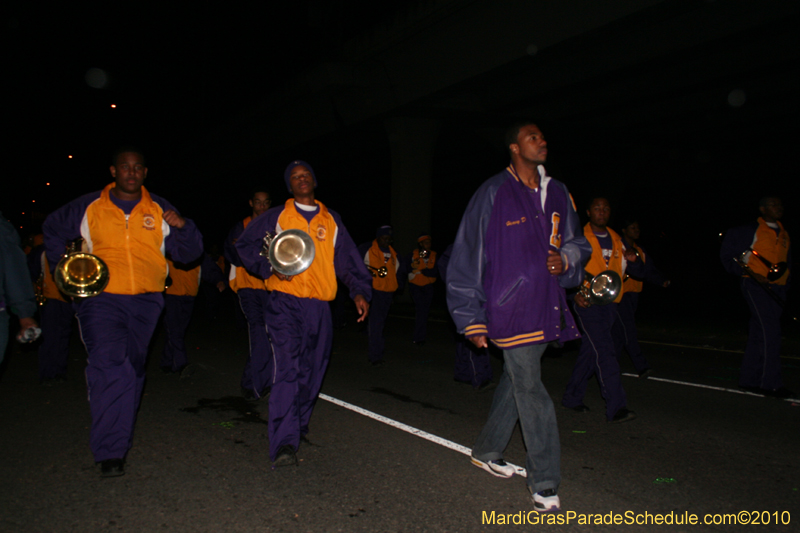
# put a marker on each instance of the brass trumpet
(79, 274)
(290, 252)
(601, 289)
(774, 271)
(381, 272)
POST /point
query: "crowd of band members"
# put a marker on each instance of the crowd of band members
(289, 318)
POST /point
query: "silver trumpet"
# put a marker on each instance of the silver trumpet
(424, 254)
(381, 272)
(290, 252)
(774, 271)
(601, 289)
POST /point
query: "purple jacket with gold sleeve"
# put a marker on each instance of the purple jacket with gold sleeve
(497, 280)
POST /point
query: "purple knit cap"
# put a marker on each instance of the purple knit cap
(383, 230)
(297, 163)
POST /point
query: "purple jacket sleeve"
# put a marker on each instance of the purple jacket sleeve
(465, 294)
(248, 245)
(229, 248)
(183, 245)
(736, 242)
(349, 266)
(64, 225)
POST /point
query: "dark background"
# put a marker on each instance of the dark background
(688, 162)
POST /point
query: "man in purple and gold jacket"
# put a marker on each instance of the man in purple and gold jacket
(519, 245)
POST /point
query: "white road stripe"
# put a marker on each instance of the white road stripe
(710, 387)
(466, 451)
(409, 429)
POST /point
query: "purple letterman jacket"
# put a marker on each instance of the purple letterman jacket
(497, 281)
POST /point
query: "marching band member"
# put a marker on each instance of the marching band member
(258, 374)
(380, 255)
(56, 314)
(597, 355)
(421, 277)
(297, 313)
(769, 240)
(130, 229)
(179, 301)
(624, 330)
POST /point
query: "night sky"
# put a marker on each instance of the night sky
(687, 163)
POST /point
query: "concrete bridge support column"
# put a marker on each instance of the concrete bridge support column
(412, 142)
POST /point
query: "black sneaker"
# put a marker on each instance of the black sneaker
(623, 415)
(287, 456)
(646, 373)
(486, 386)
(112, 468)
(782, 393)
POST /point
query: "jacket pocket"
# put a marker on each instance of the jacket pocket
(509, 294)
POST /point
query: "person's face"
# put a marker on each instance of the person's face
(632, 231)
(773, 210)
(301, 181)
(530, 145)
(129, 172)
(260, 203)
(599, 212)
(384, 241)
(426, 244)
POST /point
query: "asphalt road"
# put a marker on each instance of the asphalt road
(200, 460)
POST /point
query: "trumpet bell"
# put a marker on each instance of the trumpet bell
(81, 275)
(603, 288)
(291, 252)
(777, 271)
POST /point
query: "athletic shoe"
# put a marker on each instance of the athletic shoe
(623, 415)
(496, 467)
(546, 501)
(287, 456)
(112, 468)
(647, 372)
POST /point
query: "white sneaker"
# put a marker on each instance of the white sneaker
(496, 467)
(546, 501)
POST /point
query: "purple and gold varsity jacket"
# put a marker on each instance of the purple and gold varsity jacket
(497, 279)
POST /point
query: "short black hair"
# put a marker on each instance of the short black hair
(513, 130)
(764, 199)
(597, 197)
(123, 150)
(256, 190)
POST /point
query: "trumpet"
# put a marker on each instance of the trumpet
(381, 272)
(80, 274)
(601, 289)
(774, 271)
(424, 254)
(289, 252)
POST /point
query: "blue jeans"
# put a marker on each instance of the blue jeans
(521, 395)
